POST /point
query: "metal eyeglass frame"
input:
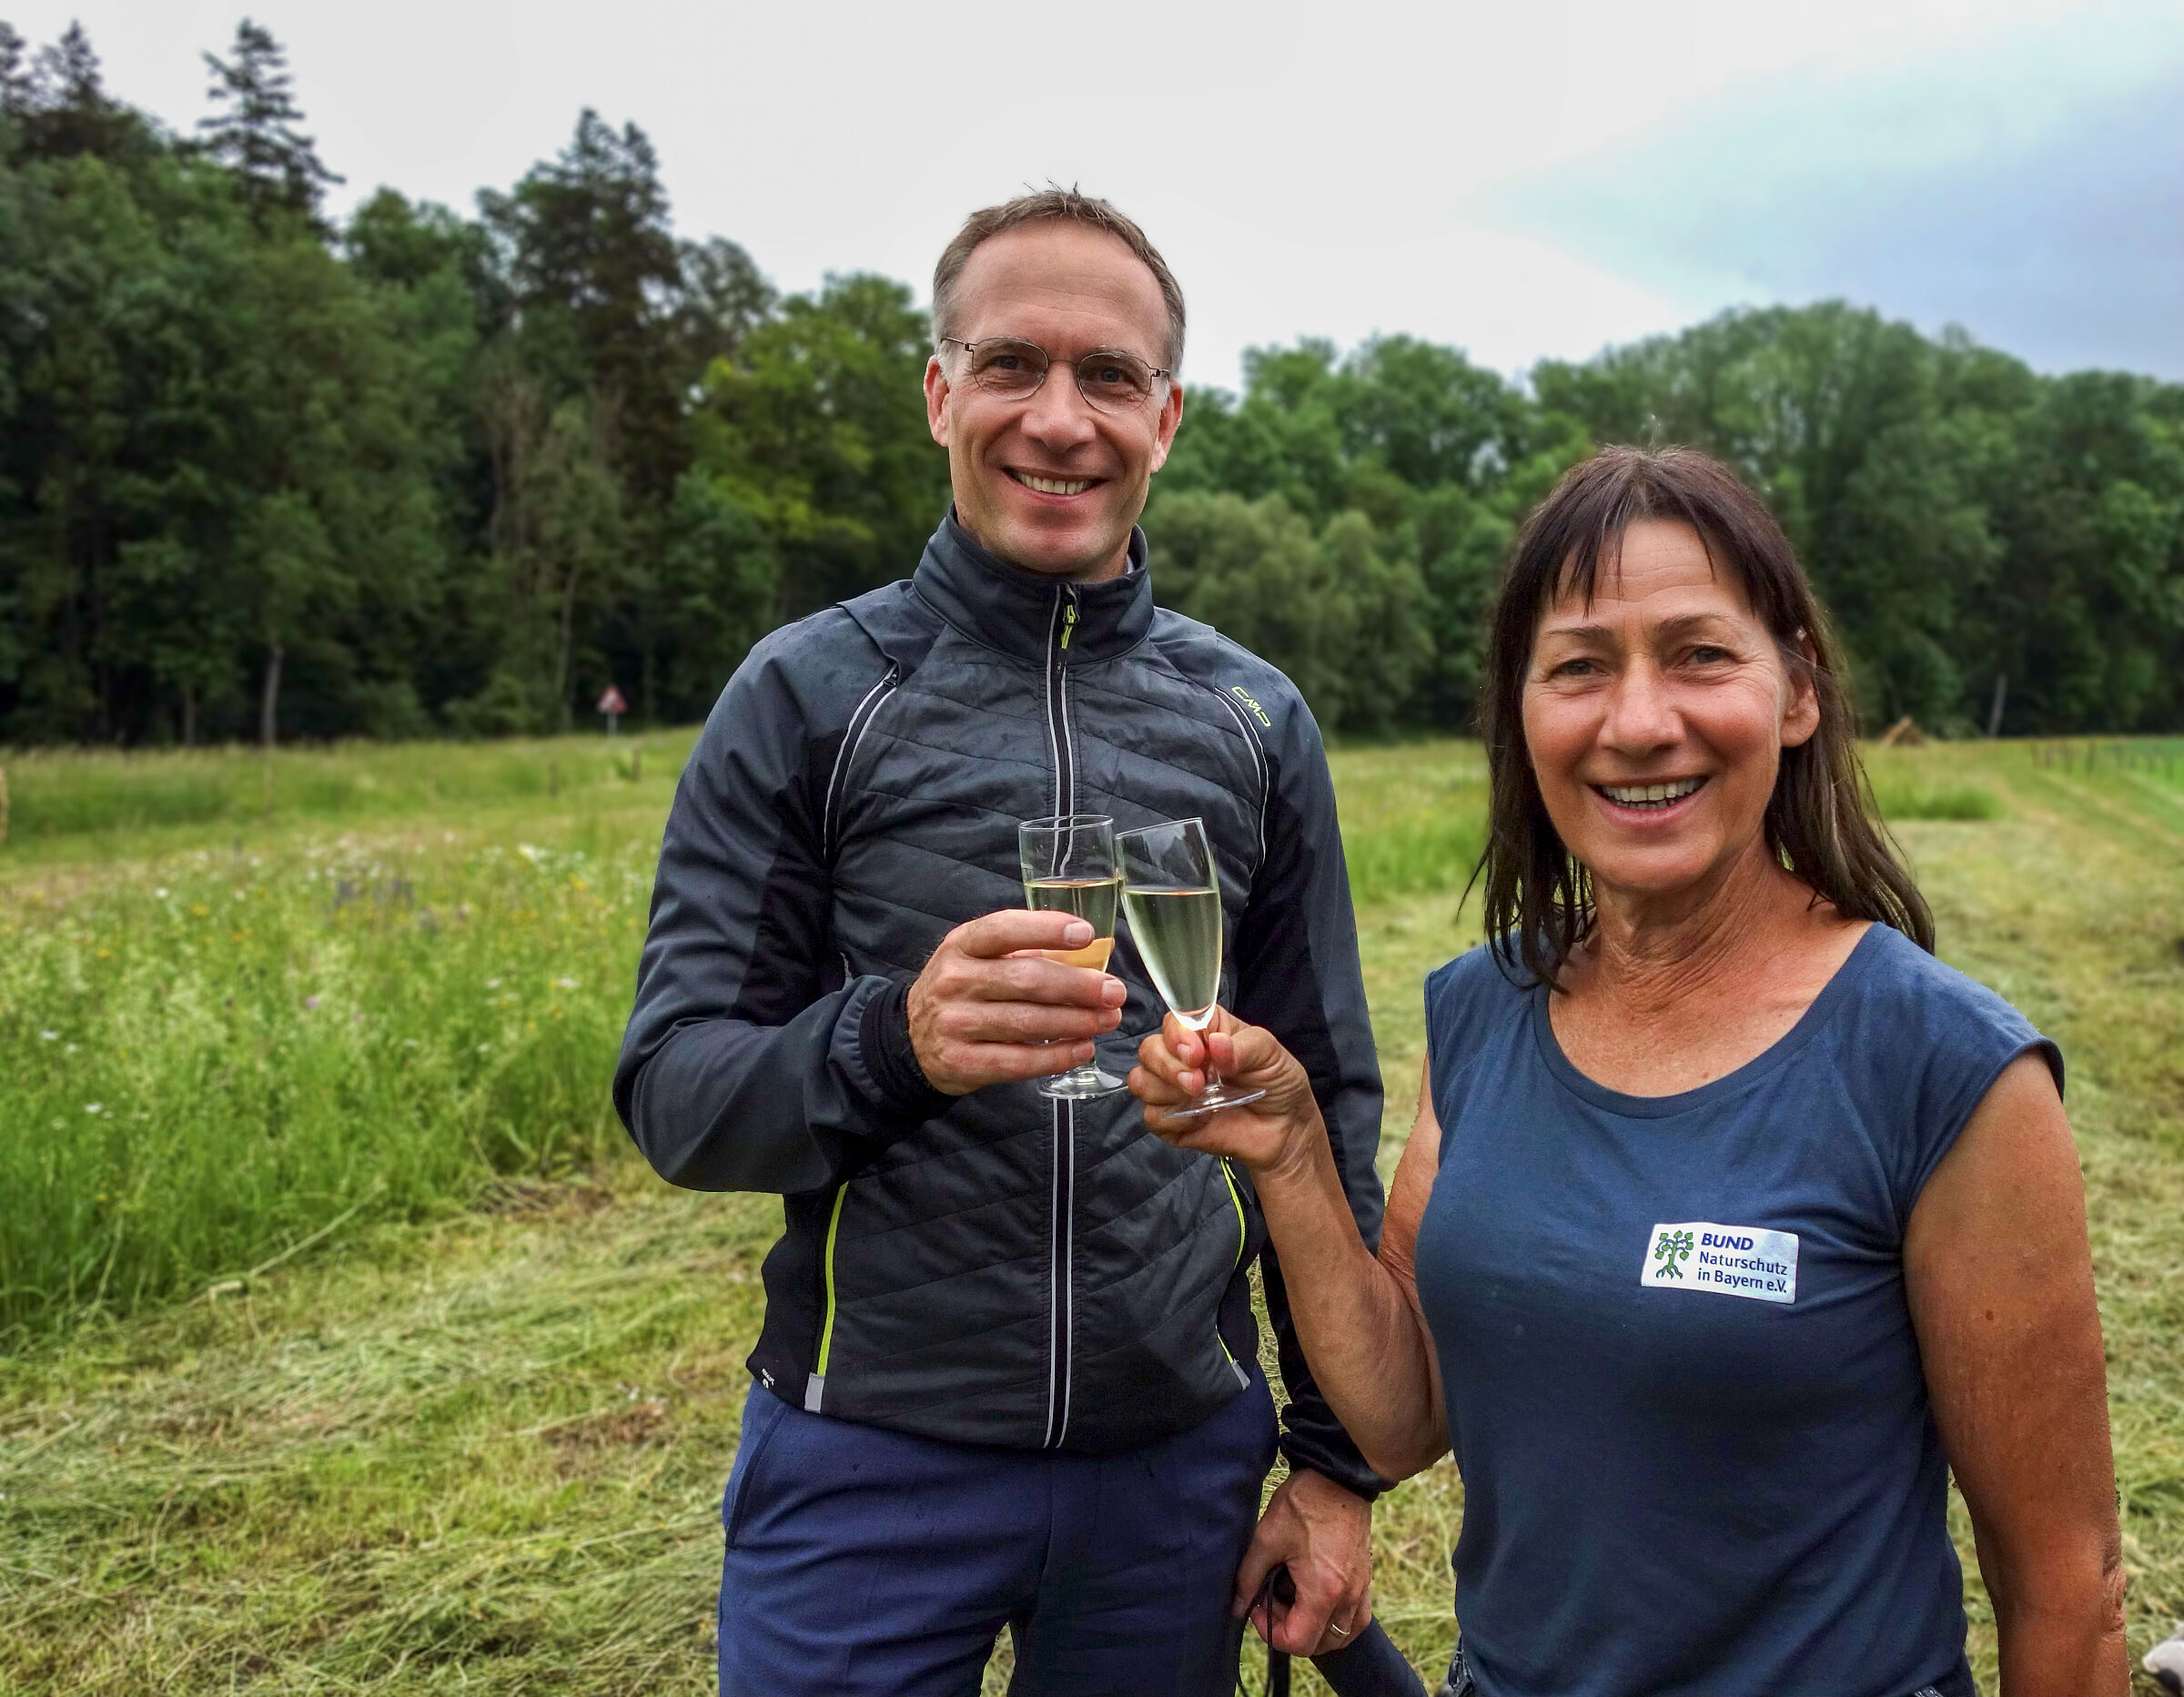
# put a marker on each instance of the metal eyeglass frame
(1076, 366)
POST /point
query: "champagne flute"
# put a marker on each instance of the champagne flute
(1069, 867)
(1173, 898)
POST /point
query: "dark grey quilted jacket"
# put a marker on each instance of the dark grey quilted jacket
(997, 1269)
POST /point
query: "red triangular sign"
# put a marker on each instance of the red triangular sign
(612, 701)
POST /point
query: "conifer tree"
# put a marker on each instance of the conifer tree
(254, 129)
(68, 72)
(17, 86)
(62, 105)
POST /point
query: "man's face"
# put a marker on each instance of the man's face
(1074, 290)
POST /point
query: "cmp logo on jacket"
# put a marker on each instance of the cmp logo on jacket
(1722, 1261)
(1245, 696)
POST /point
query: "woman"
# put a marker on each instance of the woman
(1732, 1220)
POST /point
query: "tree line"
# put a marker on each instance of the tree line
(265, 474)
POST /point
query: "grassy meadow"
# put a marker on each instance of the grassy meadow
(344, 1345)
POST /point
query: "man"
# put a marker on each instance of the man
(1007, 1375)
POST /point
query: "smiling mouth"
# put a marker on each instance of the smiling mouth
(1053, 486)
(1650, 796)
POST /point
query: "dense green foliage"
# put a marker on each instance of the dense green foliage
(258, 476)
(1999, 548)
(429, 472)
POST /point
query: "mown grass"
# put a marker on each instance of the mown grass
(482, 1454)
(473, 1437)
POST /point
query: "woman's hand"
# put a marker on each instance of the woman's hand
(1276, 1133)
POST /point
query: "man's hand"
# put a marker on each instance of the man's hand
(988, 1008)
(1324, 1533)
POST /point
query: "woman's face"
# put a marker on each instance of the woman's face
(1656, 715)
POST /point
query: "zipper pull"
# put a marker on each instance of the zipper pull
(1068, 621)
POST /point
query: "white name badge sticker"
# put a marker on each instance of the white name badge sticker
(1714, 1260)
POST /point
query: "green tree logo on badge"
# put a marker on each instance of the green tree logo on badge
(1672, 1250)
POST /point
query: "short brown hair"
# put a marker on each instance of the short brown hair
(1045, 206)
(1821, 822)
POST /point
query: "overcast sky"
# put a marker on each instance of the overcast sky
(1521, 181)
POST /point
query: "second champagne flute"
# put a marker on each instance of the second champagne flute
(1069, 868)
(1173, 899)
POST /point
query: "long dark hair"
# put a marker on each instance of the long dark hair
(1821, 822)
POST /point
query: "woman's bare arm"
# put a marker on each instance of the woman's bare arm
(2000, 1281)
(1357, 1317)
(1407, 1199)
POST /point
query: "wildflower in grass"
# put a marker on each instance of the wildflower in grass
(94, 1108)
(49, 1037)
(564, 983)
(310, 1001)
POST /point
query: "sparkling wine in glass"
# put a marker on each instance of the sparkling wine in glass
(1173, 901)
(1069, 867)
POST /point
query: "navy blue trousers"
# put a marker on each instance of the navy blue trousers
(869, 1561)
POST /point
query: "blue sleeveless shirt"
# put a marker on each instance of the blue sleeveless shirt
(1683, 1386)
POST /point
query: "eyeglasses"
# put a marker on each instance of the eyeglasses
(1009, 369)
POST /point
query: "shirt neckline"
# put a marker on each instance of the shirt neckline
(1784, 1048)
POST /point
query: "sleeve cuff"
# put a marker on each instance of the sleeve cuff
(883, 1042)
(1348, 1472)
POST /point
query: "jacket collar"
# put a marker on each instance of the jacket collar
(1023, 613)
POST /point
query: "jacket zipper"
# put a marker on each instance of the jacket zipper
(1243, 1238)
(1062, 1246)
(852, 738)
(1062, 1274)
(830, 827)
(814, 1387)
(1258, 761)
(1059, 740)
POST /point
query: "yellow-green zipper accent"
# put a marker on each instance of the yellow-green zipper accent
(815, 1386)
(1068, 622)
(1243, 1237)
